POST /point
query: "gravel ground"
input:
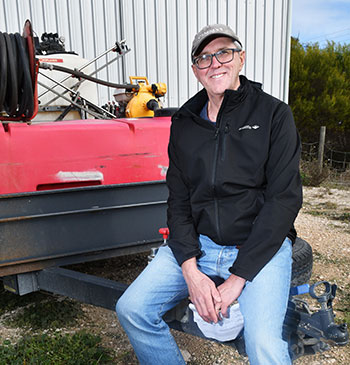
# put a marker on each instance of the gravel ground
(318, 223)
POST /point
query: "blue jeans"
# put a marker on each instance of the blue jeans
(263, 303)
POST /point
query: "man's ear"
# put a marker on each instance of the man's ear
(242, 59)
(195, 71)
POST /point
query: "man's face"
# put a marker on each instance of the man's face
(219, 77)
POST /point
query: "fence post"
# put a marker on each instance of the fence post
(321, 148)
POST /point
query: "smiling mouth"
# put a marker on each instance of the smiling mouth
(217, 76)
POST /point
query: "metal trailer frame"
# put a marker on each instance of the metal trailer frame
(67, 226)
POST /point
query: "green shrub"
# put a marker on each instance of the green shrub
(80, 348)
(39, 311)
(50, 314)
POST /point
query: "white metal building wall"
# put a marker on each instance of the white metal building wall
(160, 33)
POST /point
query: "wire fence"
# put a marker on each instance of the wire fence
(338, 162)
(309, 151)
(337, 159)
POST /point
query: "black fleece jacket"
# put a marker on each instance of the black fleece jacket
(236, 181)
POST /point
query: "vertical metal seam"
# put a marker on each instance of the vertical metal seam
(43, 12)
(236, 16)
(30, 9)
(187, 51)
(264, 45)
(82, 29)
(6, 26)
(93, 28)
(255, 37)
(94, 41)
(167, 42)
(56, 17)
(273, 46)
(69, 27)
(122, 34)
(177, 51)
(197, 29)
(246, 33)
(133, 23)
(106, 45)
(281, 53)
(156, 40)
(226, 12)
(145, 37)
(18, 17)
(207, 11)
(116, 34)
(217, 11)
(287, 52)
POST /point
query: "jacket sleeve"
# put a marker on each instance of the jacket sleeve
(183, 239)
(283, 198)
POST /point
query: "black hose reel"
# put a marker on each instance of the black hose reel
(17, 76)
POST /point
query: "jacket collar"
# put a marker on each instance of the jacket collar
(194, 105)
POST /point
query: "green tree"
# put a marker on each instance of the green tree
(319, 91)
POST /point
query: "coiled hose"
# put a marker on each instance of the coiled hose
(16, 77)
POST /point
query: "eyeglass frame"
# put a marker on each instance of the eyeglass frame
(215, 54)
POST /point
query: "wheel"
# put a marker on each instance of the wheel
(302, 262)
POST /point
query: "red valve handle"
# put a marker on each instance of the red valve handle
(164, 232)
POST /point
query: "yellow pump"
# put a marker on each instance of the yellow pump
(145, 99)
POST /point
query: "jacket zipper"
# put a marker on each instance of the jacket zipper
(223, 143)
(217, 137)
(216, 204)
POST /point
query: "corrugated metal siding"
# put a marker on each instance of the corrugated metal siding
(160, 33)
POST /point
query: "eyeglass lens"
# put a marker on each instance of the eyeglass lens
(223, 56)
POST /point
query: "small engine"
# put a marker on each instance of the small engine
(145, 100)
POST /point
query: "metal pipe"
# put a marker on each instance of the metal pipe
(79, 74)
(114, 48)
(76, 85)
(97, 115)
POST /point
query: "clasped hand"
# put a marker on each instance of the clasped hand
(208, 299)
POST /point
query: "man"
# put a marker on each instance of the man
(234, 193)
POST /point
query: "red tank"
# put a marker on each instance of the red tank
(56, 155)
(47, 154)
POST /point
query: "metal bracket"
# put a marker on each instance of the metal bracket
(21, 283)
(85, 288)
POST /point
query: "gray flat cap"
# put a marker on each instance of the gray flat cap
(210, 32)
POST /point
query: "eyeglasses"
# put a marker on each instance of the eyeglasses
(223, 56)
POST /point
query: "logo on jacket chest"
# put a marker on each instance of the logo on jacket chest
(249, 127)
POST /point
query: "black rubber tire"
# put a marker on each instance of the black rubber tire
(302, 262)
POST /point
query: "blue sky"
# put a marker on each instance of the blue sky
(321, 20)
